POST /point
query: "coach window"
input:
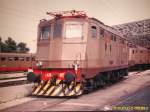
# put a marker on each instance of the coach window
(3, 58)
(16, 58)
(27, 58)
(45, 32)
(57, 29)
(93, 31)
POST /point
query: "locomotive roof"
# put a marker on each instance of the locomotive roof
(108, 28)
(78, 15)
(101, 24)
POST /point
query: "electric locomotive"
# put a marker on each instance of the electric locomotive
(76, 53)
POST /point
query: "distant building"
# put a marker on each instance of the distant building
(137, 32)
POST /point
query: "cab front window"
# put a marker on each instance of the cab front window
(73, 30)
(45, 32)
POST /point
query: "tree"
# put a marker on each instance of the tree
(22, 47)
(11, 45)
(3, 47)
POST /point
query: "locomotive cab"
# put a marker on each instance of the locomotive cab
(61, 48)
(57, 37)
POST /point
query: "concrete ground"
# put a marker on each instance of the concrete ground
(134, 90)
(138, 99)
(12, 92)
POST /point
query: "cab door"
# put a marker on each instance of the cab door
(93, 49)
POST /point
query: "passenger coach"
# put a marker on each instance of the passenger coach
(16, 61)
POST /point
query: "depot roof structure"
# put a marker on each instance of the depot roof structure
(137, 32)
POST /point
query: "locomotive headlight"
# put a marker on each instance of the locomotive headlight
(32, 77)
(39, 64)
(75, 67)
(30, 70)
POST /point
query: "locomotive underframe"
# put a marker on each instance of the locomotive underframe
(139, 67)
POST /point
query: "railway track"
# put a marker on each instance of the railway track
(12, 79)
(13, 83)
(9, 78)
(19, 80)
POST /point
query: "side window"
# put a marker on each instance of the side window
(105, 46)
(45, 32)
(114, 38)
(132, 51)
(93, 31)
(101, 32)
(57, 29)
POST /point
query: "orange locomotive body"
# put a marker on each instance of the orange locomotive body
(77, 53)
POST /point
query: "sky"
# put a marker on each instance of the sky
(19, 18)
